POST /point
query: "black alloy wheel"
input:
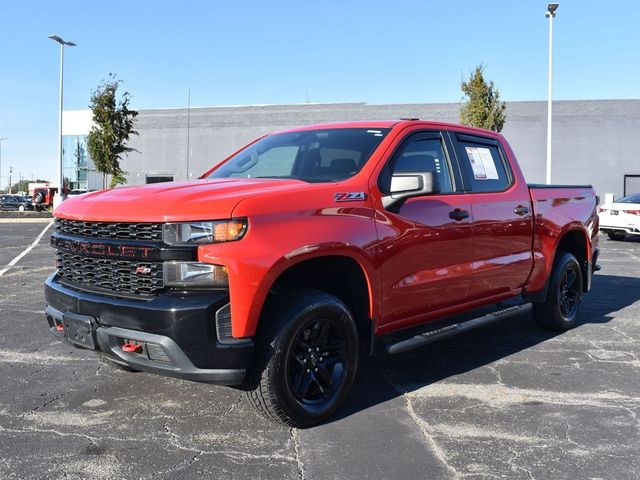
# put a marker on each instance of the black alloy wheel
(559, 311)
(305, 358)
(568, 295)
(316, 366)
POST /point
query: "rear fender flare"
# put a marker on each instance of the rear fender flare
(541, 295)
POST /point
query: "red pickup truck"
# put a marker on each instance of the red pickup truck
(308, 247)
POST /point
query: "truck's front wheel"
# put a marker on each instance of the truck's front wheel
(559, 311)
(305, 360)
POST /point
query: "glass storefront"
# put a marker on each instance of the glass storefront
(75, 162)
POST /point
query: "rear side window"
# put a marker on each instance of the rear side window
(482, 164)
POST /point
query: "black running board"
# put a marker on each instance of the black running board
(450, 330)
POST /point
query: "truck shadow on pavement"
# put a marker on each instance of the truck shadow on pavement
(385, 377)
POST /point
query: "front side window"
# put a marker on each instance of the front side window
(420, 154)
(328, 155)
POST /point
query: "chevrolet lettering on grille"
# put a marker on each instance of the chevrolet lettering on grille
(100, 249)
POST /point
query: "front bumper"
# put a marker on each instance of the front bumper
(177, 331)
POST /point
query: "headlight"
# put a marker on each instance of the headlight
(195, 275)
(197, 233)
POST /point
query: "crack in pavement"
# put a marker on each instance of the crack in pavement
(181, 465)
(500, 395)
(48, 402)
(424, 428)
(29, 358)
(511, 461)
(296, 449)
(233, 406)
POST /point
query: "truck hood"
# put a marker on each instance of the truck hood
(169, 202)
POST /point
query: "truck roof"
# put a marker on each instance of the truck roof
(387, 124)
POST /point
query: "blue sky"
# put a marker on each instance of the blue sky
(257, 52)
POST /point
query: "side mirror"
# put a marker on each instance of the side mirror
(408, 185)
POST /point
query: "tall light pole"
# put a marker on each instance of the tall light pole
(57, 200)
(1, 139)
(551, 13)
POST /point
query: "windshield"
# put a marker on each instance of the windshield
(328, 155)
(633, 198)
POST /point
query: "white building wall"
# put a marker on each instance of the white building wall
(594, 141)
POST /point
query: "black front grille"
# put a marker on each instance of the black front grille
(118, 231)
(133, 277)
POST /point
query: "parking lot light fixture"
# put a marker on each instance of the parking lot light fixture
(551, 13)
(58, 197)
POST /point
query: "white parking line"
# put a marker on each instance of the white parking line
(26, 250)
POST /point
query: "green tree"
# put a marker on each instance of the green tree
(113, 125)
(483, 107)
(23, 185)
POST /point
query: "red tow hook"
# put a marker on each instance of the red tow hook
(59, 327)
(131, 347)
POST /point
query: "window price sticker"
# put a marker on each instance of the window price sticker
(482, 164)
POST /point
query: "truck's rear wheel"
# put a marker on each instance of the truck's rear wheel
(559, 311)
(305, 359)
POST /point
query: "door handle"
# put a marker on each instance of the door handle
(520, 210)
(458, 214)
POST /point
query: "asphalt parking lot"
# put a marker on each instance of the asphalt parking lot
(505, 401)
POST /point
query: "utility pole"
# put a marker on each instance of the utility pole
(57, 199)
(10, 172)
(551, 13)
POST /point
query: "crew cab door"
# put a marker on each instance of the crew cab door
(425, 243)
(502, 216)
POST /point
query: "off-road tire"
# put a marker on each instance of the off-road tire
(559, 312)
(277, 374)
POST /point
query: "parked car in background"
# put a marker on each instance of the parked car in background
(15, 202)
(621, 218)
(43, 197)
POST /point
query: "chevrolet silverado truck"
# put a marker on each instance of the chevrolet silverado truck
(284, 263)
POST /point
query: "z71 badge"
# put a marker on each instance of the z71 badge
(349, 196)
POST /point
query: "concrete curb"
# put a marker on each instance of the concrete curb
(26, 220)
